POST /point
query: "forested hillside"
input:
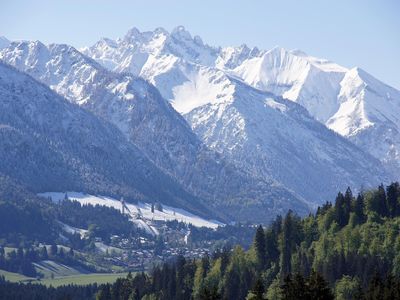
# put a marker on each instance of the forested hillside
(33, 228)
(349, 248)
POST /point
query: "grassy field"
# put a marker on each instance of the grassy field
(50, 268)
(56, 274)
(81, 279)
(14, 277)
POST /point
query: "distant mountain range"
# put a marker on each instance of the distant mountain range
(235, 133)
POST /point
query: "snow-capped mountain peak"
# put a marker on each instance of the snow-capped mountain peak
(180, 33)
(132, 34)
(365, 102)
(191, 75)
(231, 57)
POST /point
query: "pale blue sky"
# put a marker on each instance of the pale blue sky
(362, 33)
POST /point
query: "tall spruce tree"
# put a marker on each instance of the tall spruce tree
(340, 211)
(272, 248)
(180, 277)
(348, 198)
(382, 203)
(258, 290)
(259, 245)
(318, 288)
(392, 195)
(294, 288)
(286, 246)
(359, 208)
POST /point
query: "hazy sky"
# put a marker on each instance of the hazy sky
(362, 33)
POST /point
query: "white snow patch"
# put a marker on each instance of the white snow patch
(73, 230)
(140, 213)
(276, 105)
(104, 248)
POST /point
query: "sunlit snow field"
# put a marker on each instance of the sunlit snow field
(140, 213)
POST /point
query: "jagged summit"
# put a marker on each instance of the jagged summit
(132, 33)
(180, 32)
(180, 71)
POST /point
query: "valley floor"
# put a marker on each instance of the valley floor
(80, 279)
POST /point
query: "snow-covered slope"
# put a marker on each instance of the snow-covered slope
(349, 101)
(139, 211)
(165, 59)
(130, 103)
(278, 139)
(369, 115)
(210, 87)
(179, 66)
(150, 122)
(308, 81)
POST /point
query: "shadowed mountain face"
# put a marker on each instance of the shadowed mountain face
(50, 144)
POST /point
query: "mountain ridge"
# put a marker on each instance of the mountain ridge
(190, 82)
(50, 144)
(312, 82)
(149, 121)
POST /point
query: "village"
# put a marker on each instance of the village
(143, 252)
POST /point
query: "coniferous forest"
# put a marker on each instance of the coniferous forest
(348, 249)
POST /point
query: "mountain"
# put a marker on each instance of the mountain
(150, 122)
(224, 94)
(4, 42)
(308, 81)
(349, 101)
(276, 138)
(50, 144)
(369, 115)
(314, 83)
